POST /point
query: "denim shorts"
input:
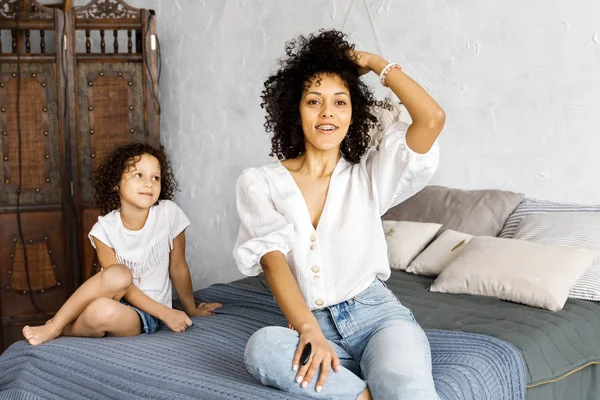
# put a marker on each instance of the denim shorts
(149, 323)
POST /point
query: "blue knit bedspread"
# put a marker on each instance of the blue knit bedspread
(206, 361)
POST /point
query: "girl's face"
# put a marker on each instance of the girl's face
(140, 183)
(326, 112)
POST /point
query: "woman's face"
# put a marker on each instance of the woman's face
(326, 112)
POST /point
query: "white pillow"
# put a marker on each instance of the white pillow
(440, 253)
(536, 274)
(578, 229)
(405, 240)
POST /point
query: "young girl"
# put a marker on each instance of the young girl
(312, 223)
(140, 242)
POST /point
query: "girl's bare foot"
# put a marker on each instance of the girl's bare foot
(36, 335)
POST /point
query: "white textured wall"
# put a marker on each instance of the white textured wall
(520, 83)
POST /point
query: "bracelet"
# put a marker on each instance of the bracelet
(386, 70)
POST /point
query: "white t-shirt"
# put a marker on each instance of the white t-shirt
(146, 251)
(340, 258)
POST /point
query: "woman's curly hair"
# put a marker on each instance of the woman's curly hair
(326, 52)
(107, 177)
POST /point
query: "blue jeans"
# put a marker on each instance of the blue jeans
(377, 339)
(149, 323)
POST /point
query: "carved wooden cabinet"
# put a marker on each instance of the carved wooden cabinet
(72, 86)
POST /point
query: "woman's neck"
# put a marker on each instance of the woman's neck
(317, 163)
(133, 218)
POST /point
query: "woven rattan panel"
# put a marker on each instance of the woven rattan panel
(40, 150)
(111, 112)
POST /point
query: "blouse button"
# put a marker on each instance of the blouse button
(315, 278)
(315, 269)
(312, 246)
(313, 237)
(319, 302)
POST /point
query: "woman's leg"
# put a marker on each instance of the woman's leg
(105, 317)
(396, 362)
(269, 354)
(111, 283)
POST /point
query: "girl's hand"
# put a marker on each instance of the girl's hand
(364, 60)
(176, 320)
(322, 356)
(204, 309)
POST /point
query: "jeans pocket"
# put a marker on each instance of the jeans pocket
(375, 295)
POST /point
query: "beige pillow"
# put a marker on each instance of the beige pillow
(535, 274)
(445, 249)
(577, 229)
(405, 240)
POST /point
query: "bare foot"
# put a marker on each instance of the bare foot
(40, 334)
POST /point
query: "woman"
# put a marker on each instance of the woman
(312, 223)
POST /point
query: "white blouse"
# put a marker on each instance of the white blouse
(340, 258)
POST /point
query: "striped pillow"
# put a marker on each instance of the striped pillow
(533, 206)
(575, 229)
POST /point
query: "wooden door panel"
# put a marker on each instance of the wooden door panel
(90, 263)
(40, 140)
(46, 271)
(111, 113)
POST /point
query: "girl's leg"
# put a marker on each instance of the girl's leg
(396, 362)
(269, 354)
(105, 317)
(111, 282)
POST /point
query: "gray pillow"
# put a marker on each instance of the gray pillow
(476, 212)
(534, 206)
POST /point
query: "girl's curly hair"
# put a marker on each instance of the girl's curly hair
(108, 175)
(326, 52)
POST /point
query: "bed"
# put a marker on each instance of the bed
(482, 348)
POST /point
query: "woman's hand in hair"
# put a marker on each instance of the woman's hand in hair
(366, 62)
